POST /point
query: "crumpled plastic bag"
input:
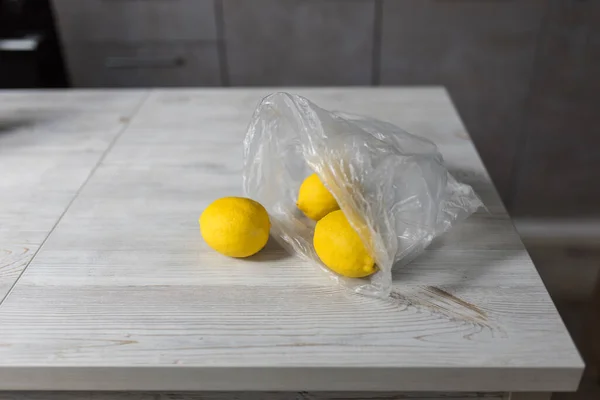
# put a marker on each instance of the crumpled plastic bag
(392, 186)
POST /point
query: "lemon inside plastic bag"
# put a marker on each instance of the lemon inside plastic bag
(392, 185)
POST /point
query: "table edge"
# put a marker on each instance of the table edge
(189, 378)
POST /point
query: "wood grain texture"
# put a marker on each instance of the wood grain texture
(126, 296)
(49, 143)
(249, 396)
(13, 261)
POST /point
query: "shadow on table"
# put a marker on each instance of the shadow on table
(10, 125)
(271, 252)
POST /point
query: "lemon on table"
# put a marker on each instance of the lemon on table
(340, 248)
(314, 200)
(235, 226)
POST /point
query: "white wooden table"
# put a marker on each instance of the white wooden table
(107, 284)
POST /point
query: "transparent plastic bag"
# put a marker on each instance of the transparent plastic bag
(391, 185)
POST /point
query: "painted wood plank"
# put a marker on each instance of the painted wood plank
(49, 143)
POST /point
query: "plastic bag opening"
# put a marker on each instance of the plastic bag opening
(392, 186)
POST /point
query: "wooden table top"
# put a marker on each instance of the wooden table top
(109, 285)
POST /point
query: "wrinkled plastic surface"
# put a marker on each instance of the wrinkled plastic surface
(392, 185)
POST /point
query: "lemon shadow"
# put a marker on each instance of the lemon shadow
(272, 251)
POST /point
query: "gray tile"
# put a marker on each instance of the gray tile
(559, 167)
(482, 51)
(270, 42)
(165, 64)
(135, 21)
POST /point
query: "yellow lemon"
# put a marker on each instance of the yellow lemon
(235, 226)
(340, 248)
(314, 200)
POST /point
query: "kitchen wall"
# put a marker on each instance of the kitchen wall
(558, 159)
(523, 73)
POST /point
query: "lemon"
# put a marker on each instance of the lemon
(314, 200)
(340, 248)
(235, 226)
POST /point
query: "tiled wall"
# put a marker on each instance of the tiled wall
(521, 72)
